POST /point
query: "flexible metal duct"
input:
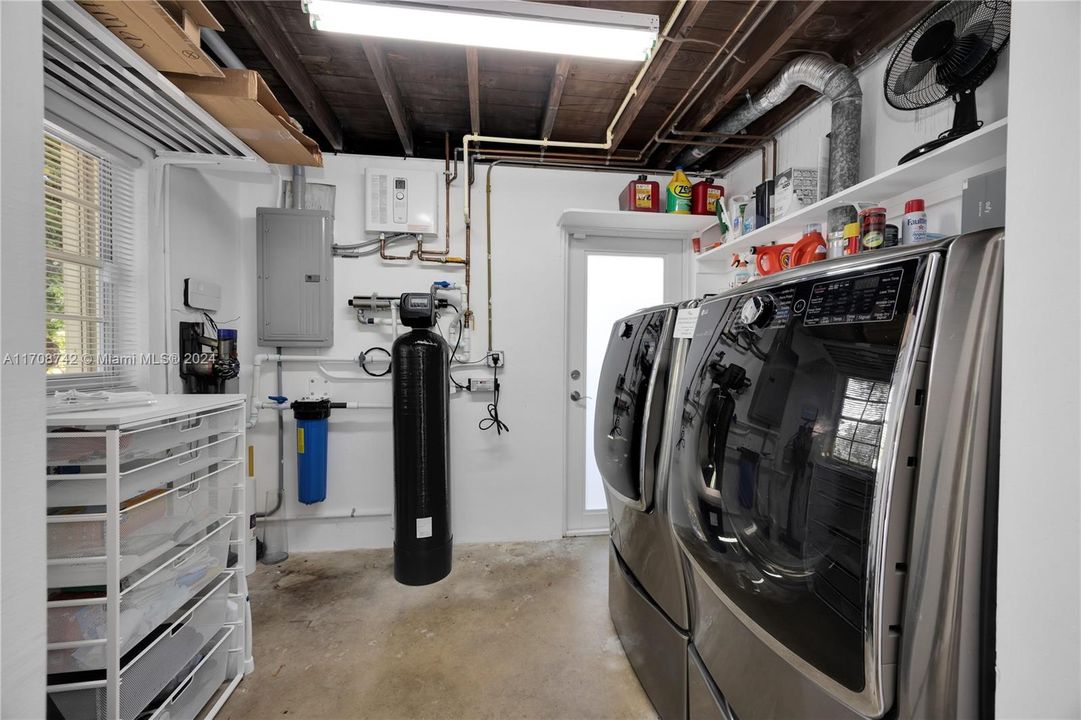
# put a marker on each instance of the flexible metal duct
(822, 75)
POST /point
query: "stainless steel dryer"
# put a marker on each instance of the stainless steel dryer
(646, 589)
(832, 467)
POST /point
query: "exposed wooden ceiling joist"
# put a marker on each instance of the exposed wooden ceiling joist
(275, 45)
(555, 96)
(472, 66)
(692, 12)
(784, 21)
(377, 59)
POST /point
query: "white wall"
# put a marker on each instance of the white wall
(507, 487)
(22, 323)
(1039, 601)
(885, 135)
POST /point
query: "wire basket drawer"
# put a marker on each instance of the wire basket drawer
(181, 696)
(77, 624)
(75, 486)
(81, 451)
(195, 691)
(150, 524)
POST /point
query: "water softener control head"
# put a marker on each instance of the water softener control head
(417, 310)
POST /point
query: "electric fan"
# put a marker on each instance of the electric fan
(949, 53)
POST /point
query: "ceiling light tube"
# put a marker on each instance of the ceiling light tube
(503, 24)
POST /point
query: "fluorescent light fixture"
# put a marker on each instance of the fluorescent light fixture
(505, 24)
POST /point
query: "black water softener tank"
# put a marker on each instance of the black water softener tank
(420, 365)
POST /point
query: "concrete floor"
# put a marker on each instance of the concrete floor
(518, 630)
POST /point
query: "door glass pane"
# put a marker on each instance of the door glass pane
(616, 285)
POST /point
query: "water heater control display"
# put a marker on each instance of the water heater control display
(401, 201)
(861, 299)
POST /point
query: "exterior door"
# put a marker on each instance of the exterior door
(609, 278)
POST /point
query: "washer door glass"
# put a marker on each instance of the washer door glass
(623, 394)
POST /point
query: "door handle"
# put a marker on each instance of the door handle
(576, 396)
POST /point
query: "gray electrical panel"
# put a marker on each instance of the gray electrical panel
(296, 277)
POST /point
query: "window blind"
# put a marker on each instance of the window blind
(89, 270)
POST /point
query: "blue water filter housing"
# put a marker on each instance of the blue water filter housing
(312, 418)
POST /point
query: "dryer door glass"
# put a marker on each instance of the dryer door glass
(785, 398)
(624, 393)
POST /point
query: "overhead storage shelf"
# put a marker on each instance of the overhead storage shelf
(636, 223)
(91, 70)
(985, 144)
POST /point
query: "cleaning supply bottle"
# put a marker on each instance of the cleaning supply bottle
(679, 194)
(914, 223)
(705, 196)
(770, 259)
(724, 223)
(810, 248)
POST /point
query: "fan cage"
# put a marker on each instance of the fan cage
(982, 29)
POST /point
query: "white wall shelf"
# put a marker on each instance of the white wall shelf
(624, 222)
(979, 147)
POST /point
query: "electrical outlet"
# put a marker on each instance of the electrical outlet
(484, 384)
(495, 358)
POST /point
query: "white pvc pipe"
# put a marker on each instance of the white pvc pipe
(254, 405)
(354, 515)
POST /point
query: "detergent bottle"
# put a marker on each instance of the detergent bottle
(810, 248)
(679, 194)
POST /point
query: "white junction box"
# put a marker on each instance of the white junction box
(401, 201)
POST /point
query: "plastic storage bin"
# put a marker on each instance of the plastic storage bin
(148, 601)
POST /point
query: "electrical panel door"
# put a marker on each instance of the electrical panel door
(296, 277)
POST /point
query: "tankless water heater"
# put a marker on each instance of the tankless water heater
(401, 201)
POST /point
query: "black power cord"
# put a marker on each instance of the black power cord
(493, 421)
(364, 365)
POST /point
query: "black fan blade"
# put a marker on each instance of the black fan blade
(963, 12)
(966, 56)
(911, 77)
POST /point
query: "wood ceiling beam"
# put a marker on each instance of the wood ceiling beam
(472, 66)
(555, 96)
(769, 38)
(377, 59)
(282, 55)
(657, 69)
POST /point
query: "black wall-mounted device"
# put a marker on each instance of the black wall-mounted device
(417, 310)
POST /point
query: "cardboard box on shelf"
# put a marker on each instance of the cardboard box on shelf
(166, 35)
(794, 189)
(242, 102)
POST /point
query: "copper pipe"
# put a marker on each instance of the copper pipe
(383, 252)
(566, 155)
(467, 319)
(488, 230)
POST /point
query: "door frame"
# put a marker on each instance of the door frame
(667, 242)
